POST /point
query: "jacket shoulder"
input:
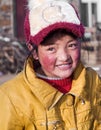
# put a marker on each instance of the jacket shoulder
(14, 82)
(92, 73)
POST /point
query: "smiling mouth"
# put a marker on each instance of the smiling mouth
(64, 66)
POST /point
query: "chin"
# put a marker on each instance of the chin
(65, 76)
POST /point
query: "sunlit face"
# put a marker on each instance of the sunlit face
(61, 58)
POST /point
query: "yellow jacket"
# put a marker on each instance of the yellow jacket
(29, 103)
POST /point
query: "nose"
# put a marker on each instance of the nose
(63, 55)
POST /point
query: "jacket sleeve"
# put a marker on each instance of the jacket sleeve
(8, 117)
(97, 105)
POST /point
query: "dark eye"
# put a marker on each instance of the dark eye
(51, 49)
(73, 45)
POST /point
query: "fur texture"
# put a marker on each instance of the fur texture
(36, 3)
(47, 15)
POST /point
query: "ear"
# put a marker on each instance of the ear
(35, 55)
(30, 47)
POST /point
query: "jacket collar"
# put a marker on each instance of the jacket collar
(79, 80)
(47, 94)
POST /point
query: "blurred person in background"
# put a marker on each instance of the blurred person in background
(55, 91)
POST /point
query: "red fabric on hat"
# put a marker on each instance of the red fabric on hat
(77, 30)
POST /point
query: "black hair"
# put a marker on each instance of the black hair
(56, 34)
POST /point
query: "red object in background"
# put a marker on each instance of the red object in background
(19, 8)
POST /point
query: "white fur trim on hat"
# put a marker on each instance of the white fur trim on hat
(43, 13)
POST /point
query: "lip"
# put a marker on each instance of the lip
(64, 66)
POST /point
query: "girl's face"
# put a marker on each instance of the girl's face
(60, 58)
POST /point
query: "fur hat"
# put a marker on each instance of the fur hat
(45, 16)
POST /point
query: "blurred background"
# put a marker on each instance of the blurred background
(13, 50)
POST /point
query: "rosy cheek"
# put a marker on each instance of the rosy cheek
(76, 56)
(47, 61)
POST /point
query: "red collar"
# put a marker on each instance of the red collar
(63, 85)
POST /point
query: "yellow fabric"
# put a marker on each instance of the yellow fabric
(29, 103)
